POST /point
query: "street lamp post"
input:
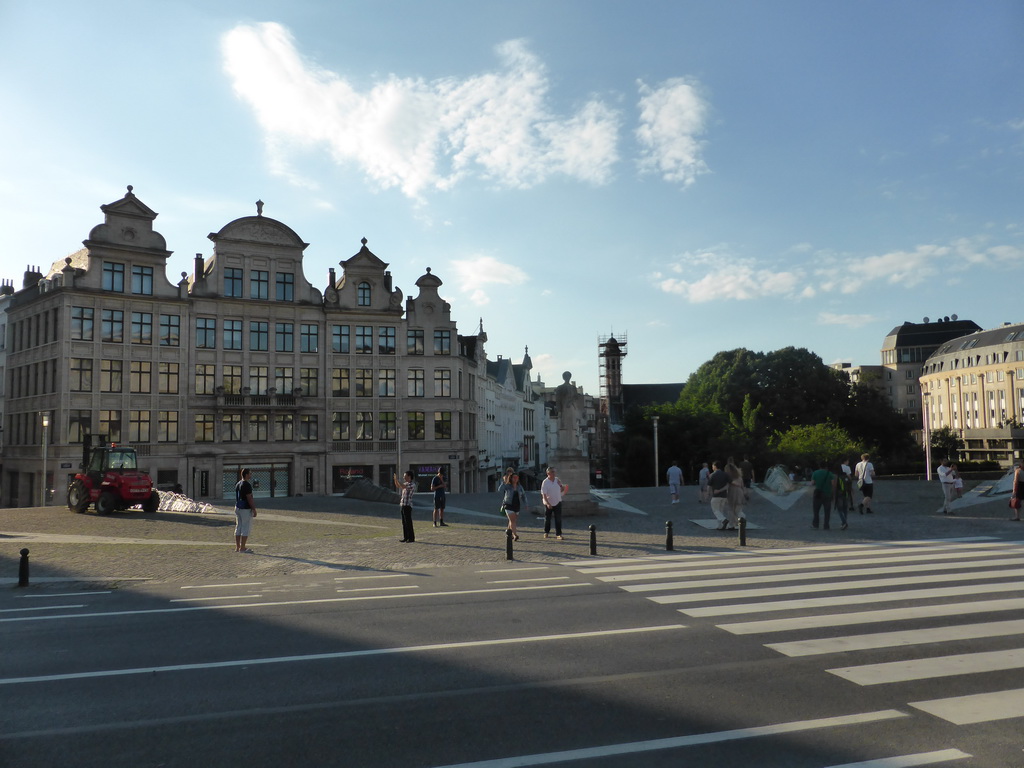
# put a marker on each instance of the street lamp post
(657, 473)
(42, 483)
(925, 403)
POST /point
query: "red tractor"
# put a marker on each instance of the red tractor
(110, 479)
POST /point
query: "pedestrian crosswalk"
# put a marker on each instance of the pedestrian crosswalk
(894, 613)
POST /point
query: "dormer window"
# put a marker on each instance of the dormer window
(363, 294)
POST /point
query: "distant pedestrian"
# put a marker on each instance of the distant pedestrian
(718, 483)
(824, 483)
(675, 479)
(865, 472)
(736, 496)
(747, 470)
(438, 486)
(245, 510)
(845, 468)
(551, 492)
(513, 501)
(958, 482)
(702, 483)
(407, 489)
(842, 495)
(948, 483)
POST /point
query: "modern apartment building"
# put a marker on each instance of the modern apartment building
(242, 363)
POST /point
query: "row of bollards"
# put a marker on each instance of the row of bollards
(669, 545)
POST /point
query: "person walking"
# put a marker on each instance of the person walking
(747, 469)
(245, 510)
(513, 501)
(948, 482)
(438, 486)
(718, 483)
(674, 475)
(824, 491)
(865, 472)
(736, 494)
(842, 496)
(848, 475)
(407, 489)
(1018, 490)
(551, 492)
(702, 483)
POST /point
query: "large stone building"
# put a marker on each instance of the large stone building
(242, 363)
(975, 385)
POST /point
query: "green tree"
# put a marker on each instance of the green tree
(809, 443)
(946, 443)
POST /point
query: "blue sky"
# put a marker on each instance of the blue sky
(698, 175)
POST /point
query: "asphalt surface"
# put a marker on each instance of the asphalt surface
(308, 535)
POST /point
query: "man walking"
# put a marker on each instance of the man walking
(551, 492)
(675, 479)
(824, 491)
(719, 486)
(405, 506)
(865, 472)
(947, 479)
(438, 486)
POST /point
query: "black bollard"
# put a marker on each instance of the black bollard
(743, 531)
(23, 569)
(668, 536)
(593, 539)
(508, 544)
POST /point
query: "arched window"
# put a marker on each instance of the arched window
(363, 294)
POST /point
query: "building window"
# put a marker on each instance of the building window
(443, 383)
(167, 427)
(284, 380)
(80, 374)
(340, 427)
(309, 381)
(388, 426)
(79, 422)
(442, 425)
(204, 428)
(111, 375)
(259, 336)
(170, 330)
(364, 425)
(259, 284)
(232, 334)
(416, 425)
(142, 327)
(364, 339)
(416, 381)
(285, 287)
(205, 381)
(113, 277)
(442, 342)
(309, 338)
(340, 384)
(138, 427)
(206, 333)
(142, 280)
(258, 379)
(308, 427)
(231, 428)
(284, 427)
(110, 426)
(364, 382)
(82, 323)
(414, 342)
(232, 378)
(284, 335)
(386, 382)
(141, 377)
(167, 378)
(112, 328)
(386, 340)
(259, 428)
(233, 282)
(363, 294)
(340, 339)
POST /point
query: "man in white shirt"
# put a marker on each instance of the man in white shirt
(865, 472)
(675, 479)
(947, 479)
(551, 492)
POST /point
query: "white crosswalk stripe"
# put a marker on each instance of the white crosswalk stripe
(810, 592)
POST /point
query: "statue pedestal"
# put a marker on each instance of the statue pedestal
(574, 471)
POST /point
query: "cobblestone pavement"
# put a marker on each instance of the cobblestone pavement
(306, 535)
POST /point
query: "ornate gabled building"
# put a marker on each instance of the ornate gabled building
(244, 362)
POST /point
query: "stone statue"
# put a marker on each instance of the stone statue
(569, 403)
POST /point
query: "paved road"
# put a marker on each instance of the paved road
(311, 535)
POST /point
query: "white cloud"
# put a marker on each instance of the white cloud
(672, 118)
(732, 281)
(851, 321)
(413, 134)
(475, 274)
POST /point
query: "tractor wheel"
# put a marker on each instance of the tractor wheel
(78, 497)
(106, 503)
(150, 505)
